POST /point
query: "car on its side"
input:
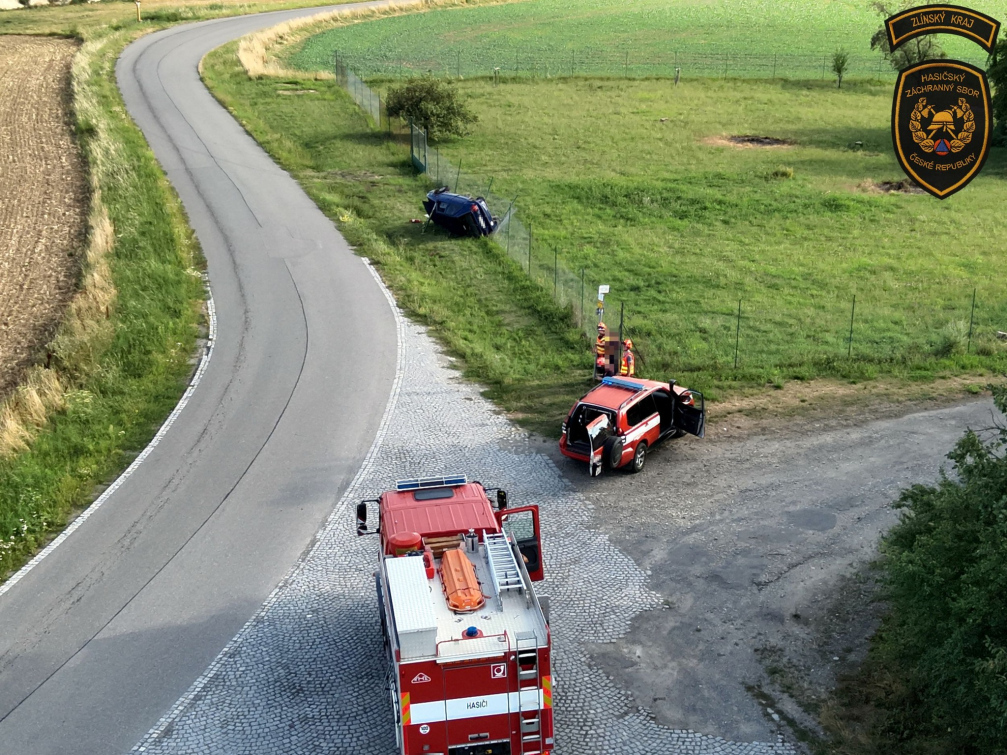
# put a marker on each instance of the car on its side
(621, 418)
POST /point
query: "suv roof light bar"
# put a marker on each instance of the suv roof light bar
(431, 482)
(622, 383)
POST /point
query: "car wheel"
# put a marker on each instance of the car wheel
(639, 457)
(612, 454)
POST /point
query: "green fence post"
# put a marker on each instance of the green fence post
(555, 272)
(853, 311)
(582, 297)
(458, 176)
(972, 318)
(529, 250)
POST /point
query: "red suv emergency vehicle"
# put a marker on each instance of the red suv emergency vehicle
(620, 419)
(467, 638)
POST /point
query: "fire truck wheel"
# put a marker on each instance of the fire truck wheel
(612, 453)
(639, 457)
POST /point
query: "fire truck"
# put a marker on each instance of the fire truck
(467, 638)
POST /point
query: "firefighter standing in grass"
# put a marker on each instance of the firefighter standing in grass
(628, 366)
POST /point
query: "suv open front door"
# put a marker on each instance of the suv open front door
(690, 413)
(521, 525)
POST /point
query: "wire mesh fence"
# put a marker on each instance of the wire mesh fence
(531, 62)
(724, 334)
(569, 289)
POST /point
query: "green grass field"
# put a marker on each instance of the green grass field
(596, 36)
(623, 180)
(679, 228)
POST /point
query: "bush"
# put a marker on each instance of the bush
(433, 104)
(946, 579)
(998, 82)
(909, 53)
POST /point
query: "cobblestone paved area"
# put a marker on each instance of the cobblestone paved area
(307, 673)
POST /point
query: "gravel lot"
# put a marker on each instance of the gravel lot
(758, 548)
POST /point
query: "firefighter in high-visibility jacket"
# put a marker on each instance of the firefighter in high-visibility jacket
(599, 349)
(628, 366)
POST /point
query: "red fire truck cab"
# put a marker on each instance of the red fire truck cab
(621, 418)
(467, 638)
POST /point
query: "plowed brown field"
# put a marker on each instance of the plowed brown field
(43, 197)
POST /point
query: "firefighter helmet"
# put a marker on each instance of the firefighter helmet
(602, 328)
(628, 343)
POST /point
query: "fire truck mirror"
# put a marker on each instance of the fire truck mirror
(362, 518)
(501, 499)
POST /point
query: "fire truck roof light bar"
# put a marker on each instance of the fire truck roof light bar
(620, 383)
(431, 482)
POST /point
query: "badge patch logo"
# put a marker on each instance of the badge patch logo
(941, 124)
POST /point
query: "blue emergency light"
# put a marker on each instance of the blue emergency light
(431, 482)
(621, 383)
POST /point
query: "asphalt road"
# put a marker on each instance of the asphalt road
(103, 635)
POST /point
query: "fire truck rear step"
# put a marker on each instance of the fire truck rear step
(528, 670)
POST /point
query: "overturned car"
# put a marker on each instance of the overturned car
(459, 214)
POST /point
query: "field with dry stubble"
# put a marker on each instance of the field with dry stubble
(44, 190)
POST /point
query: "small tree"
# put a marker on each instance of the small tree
(840, 59)
(998, 80)
(909, 53)
(433, 104)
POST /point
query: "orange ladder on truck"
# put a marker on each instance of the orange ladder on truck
(529, 678)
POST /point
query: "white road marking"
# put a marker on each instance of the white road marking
(76, 523)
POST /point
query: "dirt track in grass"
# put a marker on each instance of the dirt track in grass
(44, 197)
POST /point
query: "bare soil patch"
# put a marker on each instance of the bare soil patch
(905, 186)
(44, 190)
(746, 141)
(801, 405)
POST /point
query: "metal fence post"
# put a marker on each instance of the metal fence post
(972, 318)
(853, 311)
(458, 176)
(737, 336)
(774, 65)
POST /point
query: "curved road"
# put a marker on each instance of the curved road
(103, 635)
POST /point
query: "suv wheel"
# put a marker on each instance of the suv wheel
(639, 457)
(612, 454)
